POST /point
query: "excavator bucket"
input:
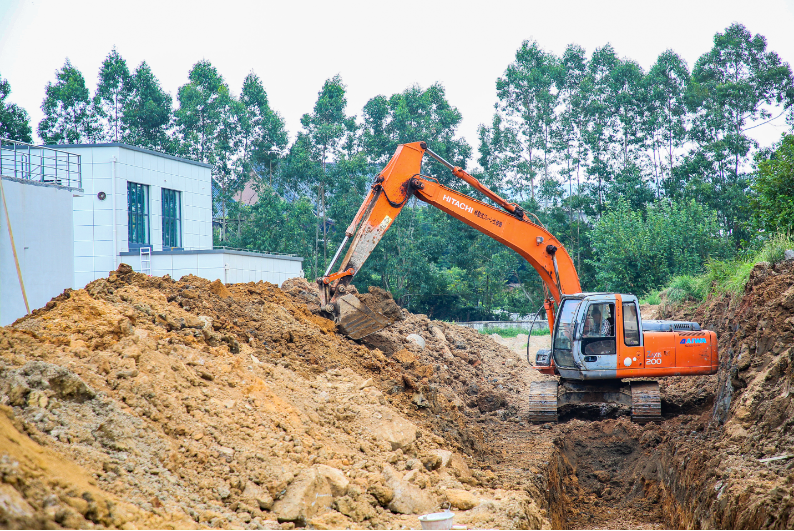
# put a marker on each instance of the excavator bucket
(356, 320)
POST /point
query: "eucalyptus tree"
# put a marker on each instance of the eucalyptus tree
(733, 87)
(574, 86)
(14, 120)
(113, 90)
(629, 108)
(599, 102)
(410, 116)
(666, 121)
(263, 134)
(400, 262)
(68, 118)
(208, 130)
(528, 99)
(147, 116)
(499, 153)
(203, 118)
(328, 132)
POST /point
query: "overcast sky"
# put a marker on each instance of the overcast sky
(377, 47)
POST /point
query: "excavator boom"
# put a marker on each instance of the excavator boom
(400, 180)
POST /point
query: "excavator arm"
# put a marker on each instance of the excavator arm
(394, 186)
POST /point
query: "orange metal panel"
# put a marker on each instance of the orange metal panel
(628, 358)
(680, 353)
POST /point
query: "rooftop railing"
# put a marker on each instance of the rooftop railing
(39, 164)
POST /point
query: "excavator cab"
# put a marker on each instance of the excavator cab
(593, 332)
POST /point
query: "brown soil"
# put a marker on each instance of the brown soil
(148, 402)
(235, 406)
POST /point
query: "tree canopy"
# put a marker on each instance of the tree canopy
(642, 174)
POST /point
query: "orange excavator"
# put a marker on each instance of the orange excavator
(598, 339)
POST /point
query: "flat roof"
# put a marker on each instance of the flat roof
(131, 148)
(218, 251)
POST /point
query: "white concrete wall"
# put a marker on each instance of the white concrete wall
(94, 249)
(226, 266)
(247, 268)
(41, 219)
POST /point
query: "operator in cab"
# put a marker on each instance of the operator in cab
(596, 325)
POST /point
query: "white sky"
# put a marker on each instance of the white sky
(377, 47)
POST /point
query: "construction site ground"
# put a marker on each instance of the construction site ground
(145, 402)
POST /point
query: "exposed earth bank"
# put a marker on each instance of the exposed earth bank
(148, 402)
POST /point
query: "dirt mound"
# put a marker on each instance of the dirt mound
(238, 407)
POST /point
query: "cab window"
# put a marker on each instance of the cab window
(631, 325)
(598, 331)
(564, 333)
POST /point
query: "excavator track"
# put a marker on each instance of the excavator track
(646, 402)
(543, 401)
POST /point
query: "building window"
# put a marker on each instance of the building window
(172, 219)
(138, 215)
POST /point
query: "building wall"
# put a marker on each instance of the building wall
(41, 220)
(227, 266)
(94, 236)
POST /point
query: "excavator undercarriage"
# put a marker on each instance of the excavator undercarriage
(547, 397)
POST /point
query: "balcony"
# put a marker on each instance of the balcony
(39, 164)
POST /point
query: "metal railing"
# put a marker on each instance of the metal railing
(40, 164)
(274, 253)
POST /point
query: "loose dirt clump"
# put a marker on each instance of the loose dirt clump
(203, 404)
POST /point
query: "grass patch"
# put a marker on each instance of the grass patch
(726, 276)
(687, 287)
(513, 331)
(652, 298)
(775, 248)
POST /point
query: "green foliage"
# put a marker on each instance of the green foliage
(635, 252)
(68, 117)
(687, 287)
(773, 201)
(275, 225)
(113, 90)
(642, 176)
(147, 115)
(651, 298)
(14, 120)
(774, 248)
(728, 276)
(206, 120)
(263, 133)
(414, 115)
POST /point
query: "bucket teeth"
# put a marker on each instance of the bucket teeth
(543, 401)
(646, 403)
(356, 320)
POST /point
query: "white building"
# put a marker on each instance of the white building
(128, 205)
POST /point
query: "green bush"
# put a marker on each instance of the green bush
(636, 251)
(652, 298)
(772, 204)
(687, 287)
(775, 248)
